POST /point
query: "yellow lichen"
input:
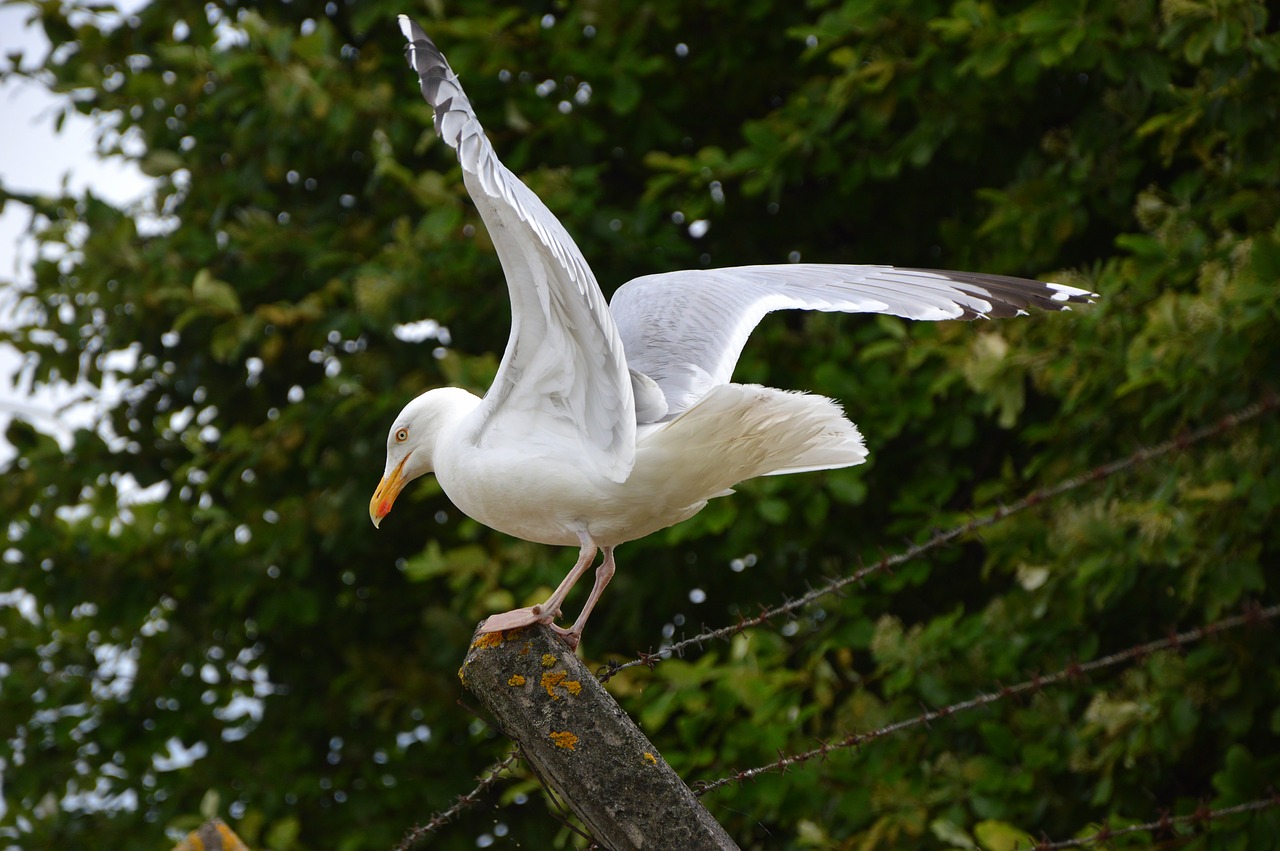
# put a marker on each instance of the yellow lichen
(488, 639)
(462, 675)
(552, 679)
(564, 739)
(516, 680)
(650, 758)
(527, 649)
(548, 659)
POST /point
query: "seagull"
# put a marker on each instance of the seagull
(609, 421)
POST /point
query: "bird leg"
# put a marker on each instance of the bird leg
(547, 611)
(604, 573)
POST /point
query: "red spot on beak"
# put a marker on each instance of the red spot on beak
(385, 496)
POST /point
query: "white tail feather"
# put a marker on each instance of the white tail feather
(740, 431)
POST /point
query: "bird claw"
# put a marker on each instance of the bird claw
(568, 636)
(516, 618)
(528, 616)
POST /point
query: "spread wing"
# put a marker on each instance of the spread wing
(685, 330)
(563, 384)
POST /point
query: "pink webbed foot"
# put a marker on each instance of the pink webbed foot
(516, 618)
(550, 610)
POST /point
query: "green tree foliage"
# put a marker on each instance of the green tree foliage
(307, 209)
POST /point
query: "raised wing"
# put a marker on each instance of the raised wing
(685, 330)
(564, 374)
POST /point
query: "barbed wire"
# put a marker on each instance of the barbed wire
(486, 779)
(887, 563)
(1252, 614)
(1163, 825)
(1178, 443)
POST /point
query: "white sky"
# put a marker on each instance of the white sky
(34, 159)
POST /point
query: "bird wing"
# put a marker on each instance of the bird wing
(685, 330)
(563, 384)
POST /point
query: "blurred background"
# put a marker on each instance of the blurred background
(196, 616)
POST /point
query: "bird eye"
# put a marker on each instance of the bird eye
(402, 435)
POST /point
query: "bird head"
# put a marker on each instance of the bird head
(412, 443)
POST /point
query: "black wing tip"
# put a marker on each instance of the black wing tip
(1010, 296)
(410, 29)
(426, 59)
(418, 44)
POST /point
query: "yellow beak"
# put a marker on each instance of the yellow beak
(385, 496)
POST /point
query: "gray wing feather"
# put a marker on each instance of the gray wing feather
(685, 330)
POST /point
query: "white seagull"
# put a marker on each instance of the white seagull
(607, 422)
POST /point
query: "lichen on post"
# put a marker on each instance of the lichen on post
(583, 745)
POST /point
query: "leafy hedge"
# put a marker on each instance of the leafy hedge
(307, 209)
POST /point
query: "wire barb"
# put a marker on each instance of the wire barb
(1163, 825)
(486, 779)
